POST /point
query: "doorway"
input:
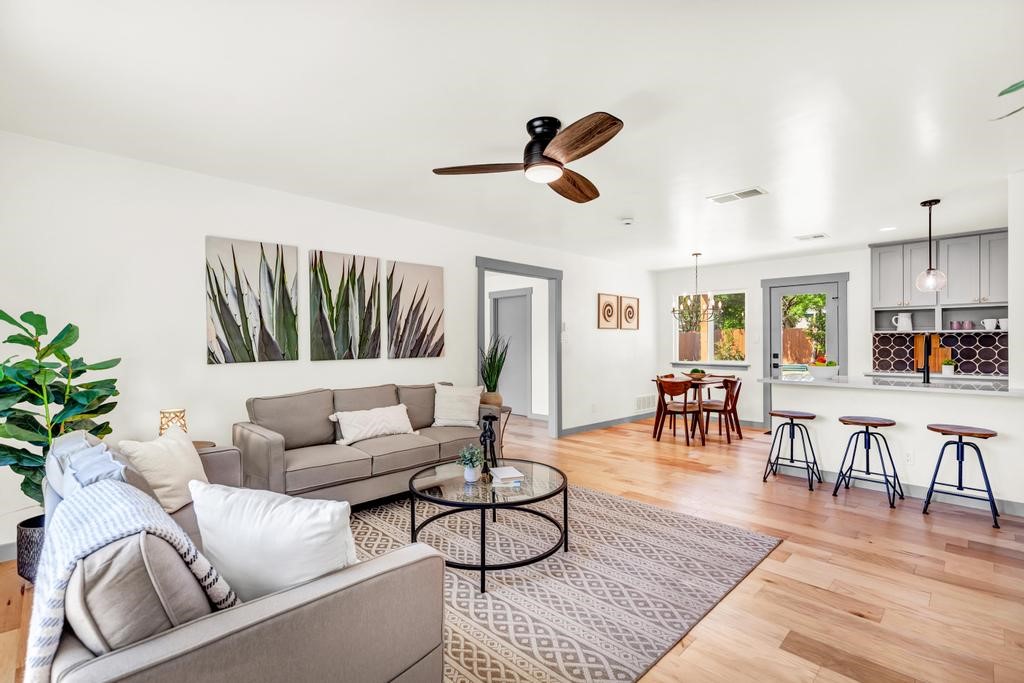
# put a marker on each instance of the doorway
(511, 314)
(804, 321)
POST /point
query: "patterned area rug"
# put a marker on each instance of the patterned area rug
(635, 580)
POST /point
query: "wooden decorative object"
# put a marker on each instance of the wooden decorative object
(629, 313)
(607, 312)
(172, 416)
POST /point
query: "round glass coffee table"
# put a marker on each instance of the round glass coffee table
(445, 485)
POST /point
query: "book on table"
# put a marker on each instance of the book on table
(505, 475)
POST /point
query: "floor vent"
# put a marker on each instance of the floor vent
(645, 404)
(727, 197)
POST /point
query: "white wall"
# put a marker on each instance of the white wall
(496, 282)
(117, 246)
(746, 277)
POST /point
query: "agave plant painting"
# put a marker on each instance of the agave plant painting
(415, 301)
(344, 306)
(251, 291)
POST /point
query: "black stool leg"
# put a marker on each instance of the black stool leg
(988, 486)
(890, 491)
(814, 457)
(770, 465)
(895, 474)
(938, 464)
(841, 475)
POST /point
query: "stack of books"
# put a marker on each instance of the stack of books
(506, 476)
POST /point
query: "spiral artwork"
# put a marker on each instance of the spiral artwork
(629, 313)
(607, 312)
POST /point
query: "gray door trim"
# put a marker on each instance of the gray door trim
(554, 278)
(839, 279)
(526, 293)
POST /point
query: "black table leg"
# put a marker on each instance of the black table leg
(565, 517)
(483, 550)
(412, 516)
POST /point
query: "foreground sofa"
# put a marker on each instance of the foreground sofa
(289, 446)
(378, 620)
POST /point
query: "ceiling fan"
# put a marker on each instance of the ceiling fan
(549, 150)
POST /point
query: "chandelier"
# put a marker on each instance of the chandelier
(696, 310)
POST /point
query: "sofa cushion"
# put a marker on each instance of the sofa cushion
(419, 401)
(452, 439)
(314, 467)
(300, 418)
(364, 398)
(167, 463)
(129, 590)
(399, 452)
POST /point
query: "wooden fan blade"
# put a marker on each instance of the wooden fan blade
(478, 168)
(575, 187)
(583, 137)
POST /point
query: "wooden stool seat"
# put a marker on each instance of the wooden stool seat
(962, 430)
(866, 421)
(793, 414)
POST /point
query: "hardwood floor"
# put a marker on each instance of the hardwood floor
(855, 591)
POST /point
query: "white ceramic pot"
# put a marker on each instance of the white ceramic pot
(948, 370)
(1004, 323)
(472, 473)
(823, 372)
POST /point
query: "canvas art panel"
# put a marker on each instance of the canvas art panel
(344, 306)
(629, 313)
(251, 294)
(415, 310)
(607, 312)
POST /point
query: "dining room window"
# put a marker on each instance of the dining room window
(723, 338)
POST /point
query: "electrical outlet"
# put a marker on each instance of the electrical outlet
(910, 457)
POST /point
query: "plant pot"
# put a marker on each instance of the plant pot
(30, 546)
(472, 474)
(823, 372)
(491, 398)
(948, 370)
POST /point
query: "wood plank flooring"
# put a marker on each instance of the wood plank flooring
(855, 592)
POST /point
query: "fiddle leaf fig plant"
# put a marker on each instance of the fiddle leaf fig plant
(42, 397)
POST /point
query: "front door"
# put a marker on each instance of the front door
(511, 312)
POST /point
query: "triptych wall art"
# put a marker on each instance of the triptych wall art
(252, 298)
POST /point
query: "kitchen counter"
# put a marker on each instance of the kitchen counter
(946, 385)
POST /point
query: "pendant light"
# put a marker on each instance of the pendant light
(933, 279)
(695, 310)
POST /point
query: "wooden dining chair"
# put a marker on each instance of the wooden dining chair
(672, 396)
(725, 410)
(660, 403)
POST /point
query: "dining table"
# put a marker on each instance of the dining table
(697, 385)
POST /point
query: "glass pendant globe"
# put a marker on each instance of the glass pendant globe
(544, 173)
(931, 280)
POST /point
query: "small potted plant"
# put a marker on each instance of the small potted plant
(491, 362)
(948, 367)
(696, 373)
(823, 368)
(472, 459)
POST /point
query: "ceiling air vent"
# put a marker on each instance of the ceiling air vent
(727, 197)
(812, 236)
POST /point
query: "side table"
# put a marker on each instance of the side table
(203, 444)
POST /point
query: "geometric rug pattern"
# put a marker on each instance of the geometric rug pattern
(635, 580)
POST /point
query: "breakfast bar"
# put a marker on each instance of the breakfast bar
(913, 405)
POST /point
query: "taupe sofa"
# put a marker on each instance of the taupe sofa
(378, 620)
(289, 446)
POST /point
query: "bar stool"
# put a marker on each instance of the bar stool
(811, 466)
(960, 431)
(846, 475)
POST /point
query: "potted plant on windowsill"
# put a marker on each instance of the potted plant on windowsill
(823, 368)
(948, 367)
(491, 362)
(472, 459)
(39, 401)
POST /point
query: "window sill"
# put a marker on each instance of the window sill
(734, 364)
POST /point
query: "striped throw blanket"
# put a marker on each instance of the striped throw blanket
(88, 519)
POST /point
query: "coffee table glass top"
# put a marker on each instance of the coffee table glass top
(446, 484)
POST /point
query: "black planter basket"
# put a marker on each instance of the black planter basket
(30, 546)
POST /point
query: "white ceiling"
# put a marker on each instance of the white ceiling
(848, 115)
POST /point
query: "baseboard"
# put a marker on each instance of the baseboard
(8, 551)
(1007, 507)
(566, 431)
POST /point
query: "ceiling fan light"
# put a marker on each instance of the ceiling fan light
(930, 280)
(544, 173)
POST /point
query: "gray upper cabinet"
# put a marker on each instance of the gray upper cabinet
(915, 261)
(960, 260)
(887, 276)
(995, 287)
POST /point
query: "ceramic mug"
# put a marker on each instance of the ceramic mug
(989, 323)
(1004, 323)
(956, 325)
(968, 325)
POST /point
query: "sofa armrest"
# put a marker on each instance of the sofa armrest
(222, 464)
(262, 456)
(368, 622)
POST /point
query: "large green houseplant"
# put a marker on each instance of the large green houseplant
(491, 363)
(42, 396)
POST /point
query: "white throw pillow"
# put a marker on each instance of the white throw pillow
(456, 406)
(167, 463)
(357, 425)
(262, 542)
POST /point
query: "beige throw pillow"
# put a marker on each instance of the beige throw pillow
(456, 406)
(168, 464)
(357, 425)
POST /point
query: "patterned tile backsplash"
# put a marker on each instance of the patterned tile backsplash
(975, 353)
